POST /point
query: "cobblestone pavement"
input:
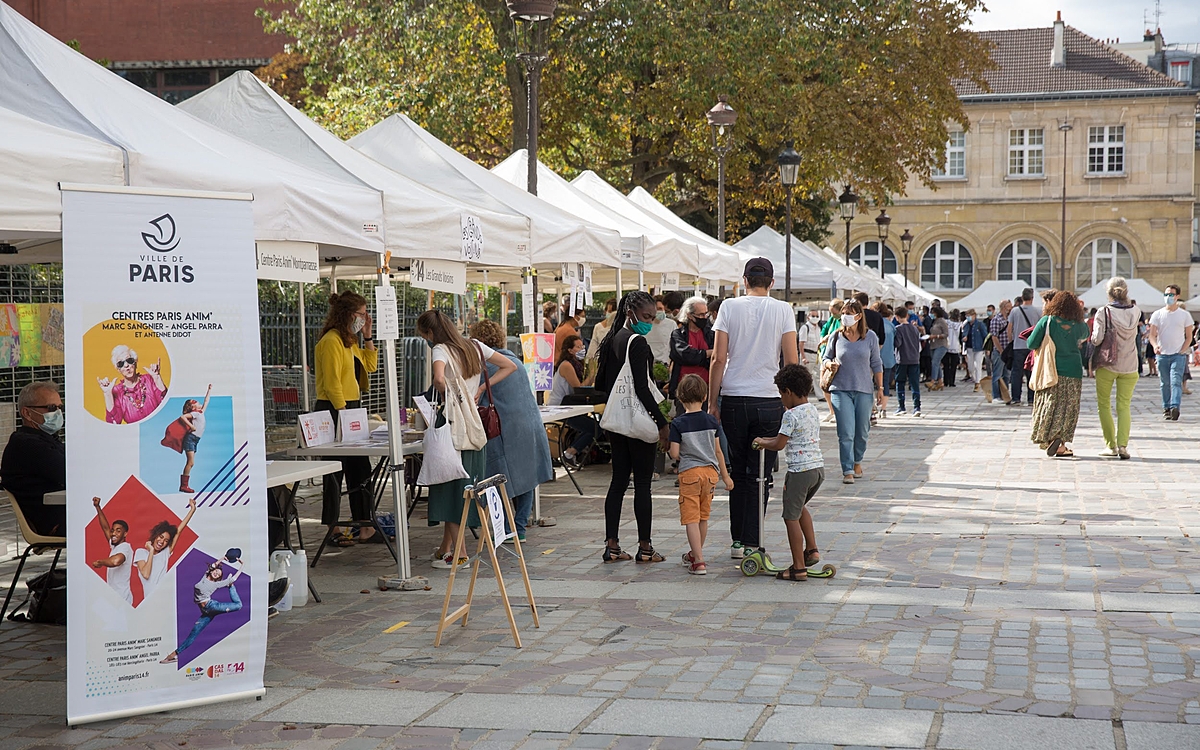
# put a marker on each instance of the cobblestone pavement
(987, 597)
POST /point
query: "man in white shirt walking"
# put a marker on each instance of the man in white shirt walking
(1171, 335)
(754, 335)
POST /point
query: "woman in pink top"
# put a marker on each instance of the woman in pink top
(133, 396)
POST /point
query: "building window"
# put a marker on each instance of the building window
(1181, 70)
(1106, 149)
(1025, 149)
(956, 156)
(947, 265)
(1028, 261)
(1100, 260)
(867, 255)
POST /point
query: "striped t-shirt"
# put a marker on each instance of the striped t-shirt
(696, 433)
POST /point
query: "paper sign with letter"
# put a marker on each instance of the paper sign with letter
(387, 318)
(670, 281)
(438, 275)
(317, 428)
(353, 426)
(495, 508)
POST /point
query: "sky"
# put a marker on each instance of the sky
(1102, 19)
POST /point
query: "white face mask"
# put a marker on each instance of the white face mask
(52, 422)
(357, 325)
(848, 321)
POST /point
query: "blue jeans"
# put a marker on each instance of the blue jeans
(522, 507)
(853, 412)
(999, 372)
(1170, 378)
(889, 377)
(208, 612)
(935, 362)
(585, 429)
(910, 375)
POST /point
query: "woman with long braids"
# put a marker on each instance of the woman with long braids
(634, 319)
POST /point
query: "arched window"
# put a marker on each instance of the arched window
(867, 254)
(1028, 261)
(947, 265)
(1100, 260)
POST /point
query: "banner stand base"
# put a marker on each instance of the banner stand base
(416, 583)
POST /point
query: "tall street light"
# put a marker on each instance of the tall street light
(721, 119)
(789, 170)
(906, 241)
(1064, 127)
(882, 223)
(532, 19)
(848, 202)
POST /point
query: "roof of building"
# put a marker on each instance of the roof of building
(1022, 58)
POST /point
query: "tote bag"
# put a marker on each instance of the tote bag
(624, 413)
(466, 428)
(1045, 373)
(440, 461)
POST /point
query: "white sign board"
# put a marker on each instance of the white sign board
(527, 315)
(472, 239)
(632, 258)
(587, 284)
(164, 376)
(495, 507)
(670, 281)
(386, 323)
(438, 275)
(317, 428)
(287, 261)
(353, 426)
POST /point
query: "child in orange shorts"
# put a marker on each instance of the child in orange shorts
(694, 445)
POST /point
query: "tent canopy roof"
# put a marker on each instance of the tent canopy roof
(1149, 296)
(992, 292)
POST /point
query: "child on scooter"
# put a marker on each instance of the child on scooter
(800, 440)
(695, 446)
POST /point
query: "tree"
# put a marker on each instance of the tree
(865, 87)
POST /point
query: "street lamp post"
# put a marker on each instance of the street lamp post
(882, 223)
(906, 241)
(721, 119)
(848, 202)
(789, 170)
(532, 18)
(1064, 127)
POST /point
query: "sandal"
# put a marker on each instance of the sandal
(812, 557)
(1068, 453)
(647, 555)
(343, 539)
(615, 554)
(1052, 447)
(792, 574)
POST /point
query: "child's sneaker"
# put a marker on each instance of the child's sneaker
(737, 551)
(698, 569)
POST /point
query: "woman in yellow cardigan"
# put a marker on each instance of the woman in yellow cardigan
(342, 367)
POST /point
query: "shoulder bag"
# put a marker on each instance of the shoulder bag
(1045, 372)
(488, 416)
(1106, 352)
(624, 413)
(466, 428)
(830, 365)
(440, 462)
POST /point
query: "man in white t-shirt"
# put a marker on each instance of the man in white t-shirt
(120, 554)
(1171, 336)
(754, 336)
(153, 560)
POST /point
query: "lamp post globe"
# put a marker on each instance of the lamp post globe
(789, 171)
(531, 10)
(848, 203)
(883, 222)
(906, 241)
(721, 119)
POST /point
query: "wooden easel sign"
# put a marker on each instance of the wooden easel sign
(491, 499)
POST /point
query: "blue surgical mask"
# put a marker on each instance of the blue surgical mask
(1169, 299)
(641, 327)
(52, 422)
(581, 354)
(660, 316)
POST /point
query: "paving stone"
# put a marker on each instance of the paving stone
(1145, 736)
(663, 718)
(542, 713)
(997, 732)
(329, 706)
(847, 726)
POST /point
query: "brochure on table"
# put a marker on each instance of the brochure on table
(166, 463)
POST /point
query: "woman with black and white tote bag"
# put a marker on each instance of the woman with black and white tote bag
(633, 421)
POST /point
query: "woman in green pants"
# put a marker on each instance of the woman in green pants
(1116, 362)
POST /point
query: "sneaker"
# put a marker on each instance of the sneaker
(1109, 453)
(572, 462)
(509, 539)
(736, 551)
(444, 563)
(848, 479)
(916, 412)
(1174, 413)
(1123, 452)
(901, 412)
(698, 569)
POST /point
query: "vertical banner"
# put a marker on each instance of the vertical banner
(538, 352)
(166, 466)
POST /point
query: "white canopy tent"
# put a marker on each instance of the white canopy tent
(418, 221)
(557, 236)
(163, 147)
(806, 275)
(911, 290)
(1149, 297)
(716, 262)
(868, 280)
(642, 198)
(991, 292)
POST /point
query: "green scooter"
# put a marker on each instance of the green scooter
(758, 561)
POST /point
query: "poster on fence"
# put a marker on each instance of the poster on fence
(166, 465)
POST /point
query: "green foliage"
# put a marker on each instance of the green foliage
(862, 86)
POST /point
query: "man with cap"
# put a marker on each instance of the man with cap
(754, 336)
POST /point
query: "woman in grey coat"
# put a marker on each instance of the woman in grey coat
(1116, 364)
(521, 452)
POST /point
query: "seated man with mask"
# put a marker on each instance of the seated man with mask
(35, 460)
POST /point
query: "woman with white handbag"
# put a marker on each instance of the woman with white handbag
(632, 419)
(456, 377)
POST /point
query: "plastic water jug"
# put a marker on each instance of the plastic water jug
(285, 603)
(298, 574)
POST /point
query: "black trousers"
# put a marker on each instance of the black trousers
(950, 368)
(629, 456)
(744, 419)
(357, 470)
